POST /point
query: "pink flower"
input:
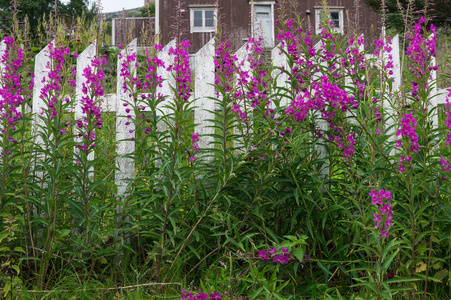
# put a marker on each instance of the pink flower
(384, 210)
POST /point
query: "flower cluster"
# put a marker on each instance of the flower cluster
(445, 163)
(326, 95)
(281, 258)
(408, 134)
(195, 147)
(152, 78)
(252, 83)
(52, 89)
(224, 65)
(448, 118)
(200, 296)
(355, 63)
(181, 68)
(384, 211)
(299, 46)
(187, 295)
(356, 58)
(127, 65)
(10, 89)
(132, 85)
(384, 52)
(421, 50)
(90, 103)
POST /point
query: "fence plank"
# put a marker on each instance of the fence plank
(2, 66)
(322, 124)
(83, 62)
(41, 71)
(433, 102)
(243, 65)
(396, 84)
(205, 78)
(396, 63)
(2, 52)
(279, 60)
(167, 77)
(125, 165)
(348, 80)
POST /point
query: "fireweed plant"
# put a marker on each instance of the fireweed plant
(52, 148)
(326, 178)
(90, 123)
(10, 107)
(11, 123)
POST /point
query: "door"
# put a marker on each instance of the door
(264, 24)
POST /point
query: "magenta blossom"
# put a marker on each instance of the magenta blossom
(384, 211)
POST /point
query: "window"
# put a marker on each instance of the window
(263, 24)
(203, 19)
(335, 16)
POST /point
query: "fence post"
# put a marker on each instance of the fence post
(83, 62)
(243, 65)
(243, 61)
(168, 78)
(204, 89)
(322, 125)
(2, 51)
(2, 66)
(125, 165)
(433, 102)
(41, 70)
(396, 84)
(279, 59)
(396, 63)
(348, 80)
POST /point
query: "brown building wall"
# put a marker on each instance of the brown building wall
(125, 30)
(236, 16)
(236, 20)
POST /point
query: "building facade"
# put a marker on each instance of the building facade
(242, 19)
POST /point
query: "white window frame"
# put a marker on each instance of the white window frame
(339, 10)
(203, 28)
(256, 3)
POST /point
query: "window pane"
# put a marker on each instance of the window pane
(209, 18)
(197, 14)
(198, 18)
(197, 22)
(262, 15)
(208, 14)
(335, 18)
(208, 22)
(334, 15)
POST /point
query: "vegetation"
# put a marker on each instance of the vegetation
(324, 178)
(399, 11)
(34, 11)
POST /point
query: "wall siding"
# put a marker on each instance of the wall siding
(236, 16)
(133, 28)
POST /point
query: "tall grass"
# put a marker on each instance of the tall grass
(323, 180)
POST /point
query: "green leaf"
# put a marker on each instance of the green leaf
(19, 249)
(440, 275)
(3, 235)
(388, 262)
(299, 253)
(16, 267)
(6, 289)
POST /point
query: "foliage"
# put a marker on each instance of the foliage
(438, 10)
(323, 177)
(35, 10)
(147, 11)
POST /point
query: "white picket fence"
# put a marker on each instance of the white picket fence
(204, 79)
